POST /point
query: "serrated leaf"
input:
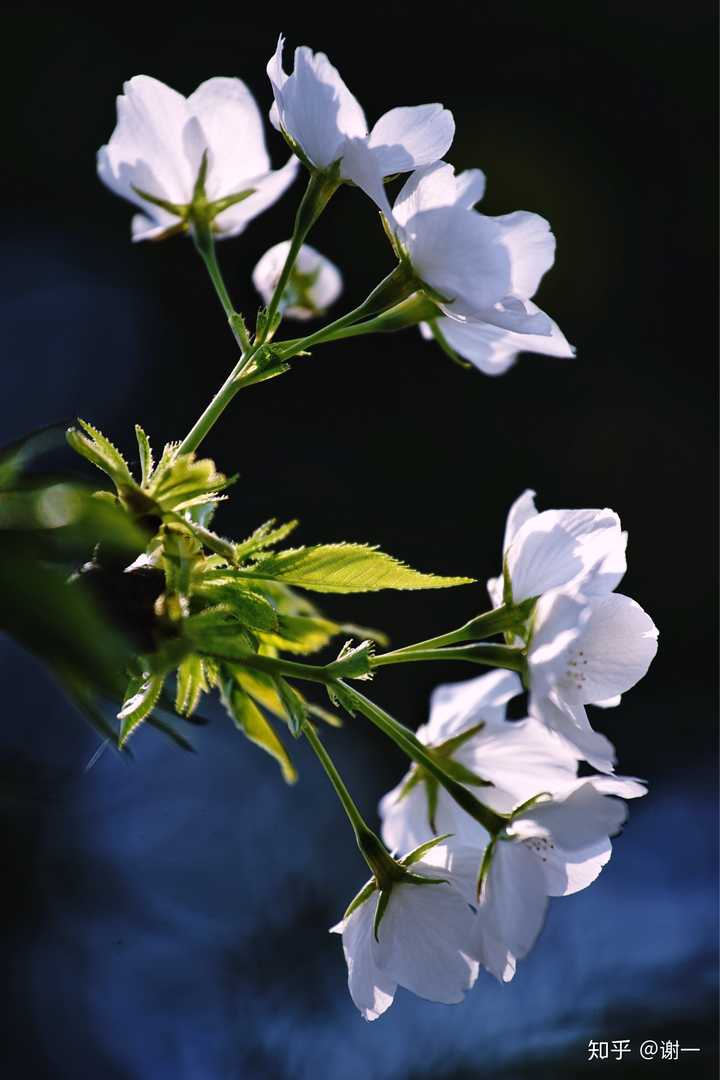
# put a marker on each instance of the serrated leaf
(248, 718)
(138, 705)
(216, 631)
(263, 537)
(295, 706)
(248, 606)
(263, 689)
(346, 568)
(191, 685)
(185, 481)
(146, 455)
(98, 450)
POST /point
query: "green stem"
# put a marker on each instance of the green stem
(371, 847)
(217, 406)
(505, 617)
(355, 817)
(396, 287)
(321, 187)
(411, 745)
(500, 656)
(205, 245)
(416, 309)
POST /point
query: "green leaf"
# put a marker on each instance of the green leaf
(183, 481)
(295, 706)
(263, 689)
(139, 703)
(97, 449)
(181, 552)
(146, 455)
(248, 718)
(248, 606)
(264, 536)
(346, 568)
(191, 684)
(301, 634)
(216, 631)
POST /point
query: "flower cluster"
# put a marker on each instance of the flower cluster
(201, 162)
(548, 831)
(494, 815)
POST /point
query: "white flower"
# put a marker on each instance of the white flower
(478, 268)
(315, 282)
(493, 350)
(314, 107)
(158, 146)
(583, 650)
(421, 943)
(554, 548)
(468, 729)
(553, 848)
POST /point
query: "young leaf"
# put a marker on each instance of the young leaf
(146, 455)
(346, 568)
(248, 718)
(139, 704)
(263, 537)
(248, 606)
(93, 446)
(191, 684)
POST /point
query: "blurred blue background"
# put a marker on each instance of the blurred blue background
(168, 918)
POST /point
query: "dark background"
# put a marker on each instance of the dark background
(168, 918)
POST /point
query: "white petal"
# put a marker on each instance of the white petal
(454, 707)
(613, 652)
(458, 253)
(557, 547)
(584, 817)
(407, 137)
(315, 106)
(361, 165)
(326, 286)
(423, 940)
(156, 145)
(371, 989)
(512, 909)
(234, 132)
(493, 350)
(268, 189)
(521, 759)
(521, 511)
(558, 622)
(436, 185)
(531, 246)
(406, 821)
(572, 724)
(469, 187)
(495, 591)
(144, 228)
